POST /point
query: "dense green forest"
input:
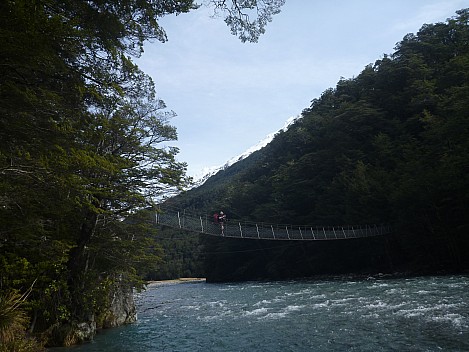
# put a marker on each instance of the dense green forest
(83, 150)
(181, 255)
(390, 145)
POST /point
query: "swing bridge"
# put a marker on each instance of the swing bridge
(263, 231)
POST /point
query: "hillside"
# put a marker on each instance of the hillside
(388, 146)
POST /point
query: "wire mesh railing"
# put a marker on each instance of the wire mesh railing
(251, 230)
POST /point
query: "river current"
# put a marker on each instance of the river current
(342, 314)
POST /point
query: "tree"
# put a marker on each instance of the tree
(247, 18)
(82, 133)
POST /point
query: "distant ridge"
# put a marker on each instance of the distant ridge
(208, 172)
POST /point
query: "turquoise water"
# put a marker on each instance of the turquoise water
(418, 314)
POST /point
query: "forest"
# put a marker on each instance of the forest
(387, 146)
(84, 157)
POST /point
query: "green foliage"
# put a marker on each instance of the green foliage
(181, 256)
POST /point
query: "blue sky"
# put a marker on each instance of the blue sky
(229, 95)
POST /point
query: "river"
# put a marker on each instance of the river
(341, 314)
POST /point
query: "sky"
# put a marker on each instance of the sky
(230, 95)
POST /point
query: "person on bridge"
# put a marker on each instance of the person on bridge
(215, 218)
(222, 221)
(222, 217)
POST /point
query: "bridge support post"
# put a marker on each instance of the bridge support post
(179, 220)
(201, 224)
(273, 233)
(257, 229)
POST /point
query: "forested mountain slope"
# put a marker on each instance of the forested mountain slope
(388, 146)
